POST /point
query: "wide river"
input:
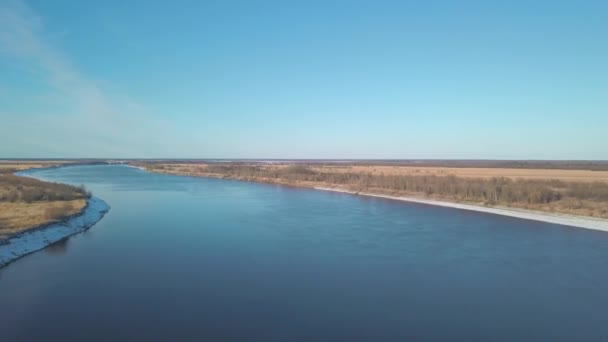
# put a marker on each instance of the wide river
(181, 258)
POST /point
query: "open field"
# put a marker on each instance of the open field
(589, 165)
(27, 203)
(575, 192)
(14, 166)
(471, 172)
(19, 216)
(592, 165)
(399, 170)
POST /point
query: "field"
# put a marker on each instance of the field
(581, 192)
(27, 203)
(7, 166)
(472, 172)
(19, 216)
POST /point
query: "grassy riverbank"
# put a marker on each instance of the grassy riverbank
(27, 203)
(563, 191)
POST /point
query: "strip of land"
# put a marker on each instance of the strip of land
(32, 240)
(35, 213)
(565, 196)
(563, 219)
(28, 203)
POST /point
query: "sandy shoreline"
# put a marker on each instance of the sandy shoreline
(134, 167)
(562, 219)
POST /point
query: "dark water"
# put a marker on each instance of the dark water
(181, 258)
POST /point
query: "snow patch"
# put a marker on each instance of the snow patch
(36, 239)
(562, 219)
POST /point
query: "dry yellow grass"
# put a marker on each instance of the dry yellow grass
(8, 165)
(18, 217)
(16, 214)
(578, 192)
(535, 174)
(563, 175)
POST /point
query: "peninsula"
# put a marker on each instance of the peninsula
(35, 213)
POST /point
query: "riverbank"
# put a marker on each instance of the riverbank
(31, 239)
(571, 206)
(561, 219)
(29, 202)
(34, 240)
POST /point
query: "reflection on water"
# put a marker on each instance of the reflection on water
(181, 258)
(58, 248)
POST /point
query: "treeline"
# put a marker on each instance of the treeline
(23, 189)
(488, 190)
(592, 165)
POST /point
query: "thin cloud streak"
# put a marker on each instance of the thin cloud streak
(92, 121)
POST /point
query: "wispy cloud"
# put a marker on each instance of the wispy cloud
(93, 122)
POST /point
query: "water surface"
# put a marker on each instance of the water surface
(181, 258)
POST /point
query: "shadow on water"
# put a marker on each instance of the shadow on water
(87, 233)
(61, 247)
(58, 248)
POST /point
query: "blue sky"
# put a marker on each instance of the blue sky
(304, 79)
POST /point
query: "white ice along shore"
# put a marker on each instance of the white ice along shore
(562, 219)
(36, 239)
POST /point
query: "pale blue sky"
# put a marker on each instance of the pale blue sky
(304, 79)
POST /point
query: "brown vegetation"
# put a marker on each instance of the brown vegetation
(587, 197)
(20, 216)
(471, 172)
(26, 203)
(591, 165)
(23, 189)
(13, 166)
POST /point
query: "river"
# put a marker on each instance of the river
(182, 258)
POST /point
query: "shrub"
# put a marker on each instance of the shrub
(497, 190)
(30, 190)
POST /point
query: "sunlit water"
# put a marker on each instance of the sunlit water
(180, 258)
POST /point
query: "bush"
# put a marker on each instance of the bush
(497, 190)
(14, 188)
